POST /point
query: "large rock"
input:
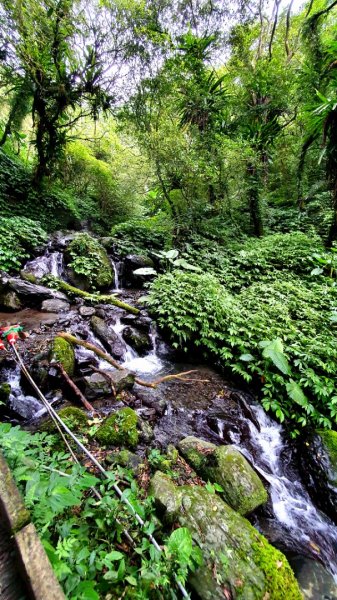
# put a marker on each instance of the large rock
(242, 488)
(133, 262)
(119, 428)
(9, 301)
(33, 294)
(97, 385)
(98, 273)
(55, 306)
(318, 456)
(136, 339)
(238, 560)
(109, 338)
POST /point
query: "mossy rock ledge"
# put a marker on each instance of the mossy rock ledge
(63, 353)
(119, 429)
(243, 490)
(238, 562)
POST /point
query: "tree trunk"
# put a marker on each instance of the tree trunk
(254, 199)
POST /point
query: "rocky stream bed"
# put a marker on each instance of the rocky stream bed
(286, 489)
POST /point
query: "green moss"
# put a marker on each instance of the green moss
(74, 417)
(89, 260)
(119, 428)
(329, 439)
(63, 353)
(281, 582)
(5, 390)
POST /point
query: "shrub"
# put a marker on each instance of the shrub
(19, 236)
(135, 236)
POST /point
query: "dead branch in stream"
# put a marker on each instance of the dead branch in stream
(75, 389)
(105, 356)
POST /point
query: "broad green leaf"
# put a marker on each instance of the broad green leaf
(247, 357)
(180, 544)
(274, 351)
(296, 393)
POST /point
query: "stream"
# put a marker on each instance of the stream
(210, 408)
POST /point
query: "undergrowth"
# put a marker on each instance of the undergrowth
(267, 314)
(83, 535)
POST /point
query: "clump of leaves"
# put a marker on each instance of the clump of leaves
(19, 237)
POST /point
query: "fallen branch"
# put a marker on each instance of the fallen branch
(105, 356)
(97, 298)
(75, 389)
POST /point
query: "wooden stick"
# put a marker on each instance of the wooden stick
(149, 384)
(75, 389)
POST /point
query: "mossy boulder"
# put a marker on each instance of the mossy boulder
(97, 386)
(119, 429)
(88, 263)
(63, 353)
(75, 418)
(318, 456)
(125, 458)
(238, 563)
(242, 488)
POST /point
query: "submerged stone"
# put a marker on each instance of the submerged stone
(238, 562)
(242, 488)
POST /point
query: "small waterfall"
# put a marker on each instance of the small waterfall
(116, 276)
(130, 353)
(51, 263)
(303, 524)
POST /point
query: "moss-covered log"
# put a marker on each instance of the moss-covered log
(99, 298)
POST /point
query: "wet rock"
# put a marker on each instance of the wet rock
(133, 262)
(87, 311)
(111, 341)
(55, 306)
(9, 301)
(125, 458)
(119, 428)
(318, 458)
(141, 322)
(25, 406)
(33, 294)
(96, 385)
(137, 340)
(63, 353)
(314, 581)
(242, 488)
(146, 431)
(238, 562)
(28, 276)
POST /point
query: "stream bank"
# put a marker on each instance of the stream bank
(208, 408)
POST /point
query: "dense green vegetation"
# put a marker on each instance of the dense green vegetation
(83, 535)
(233, 167)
